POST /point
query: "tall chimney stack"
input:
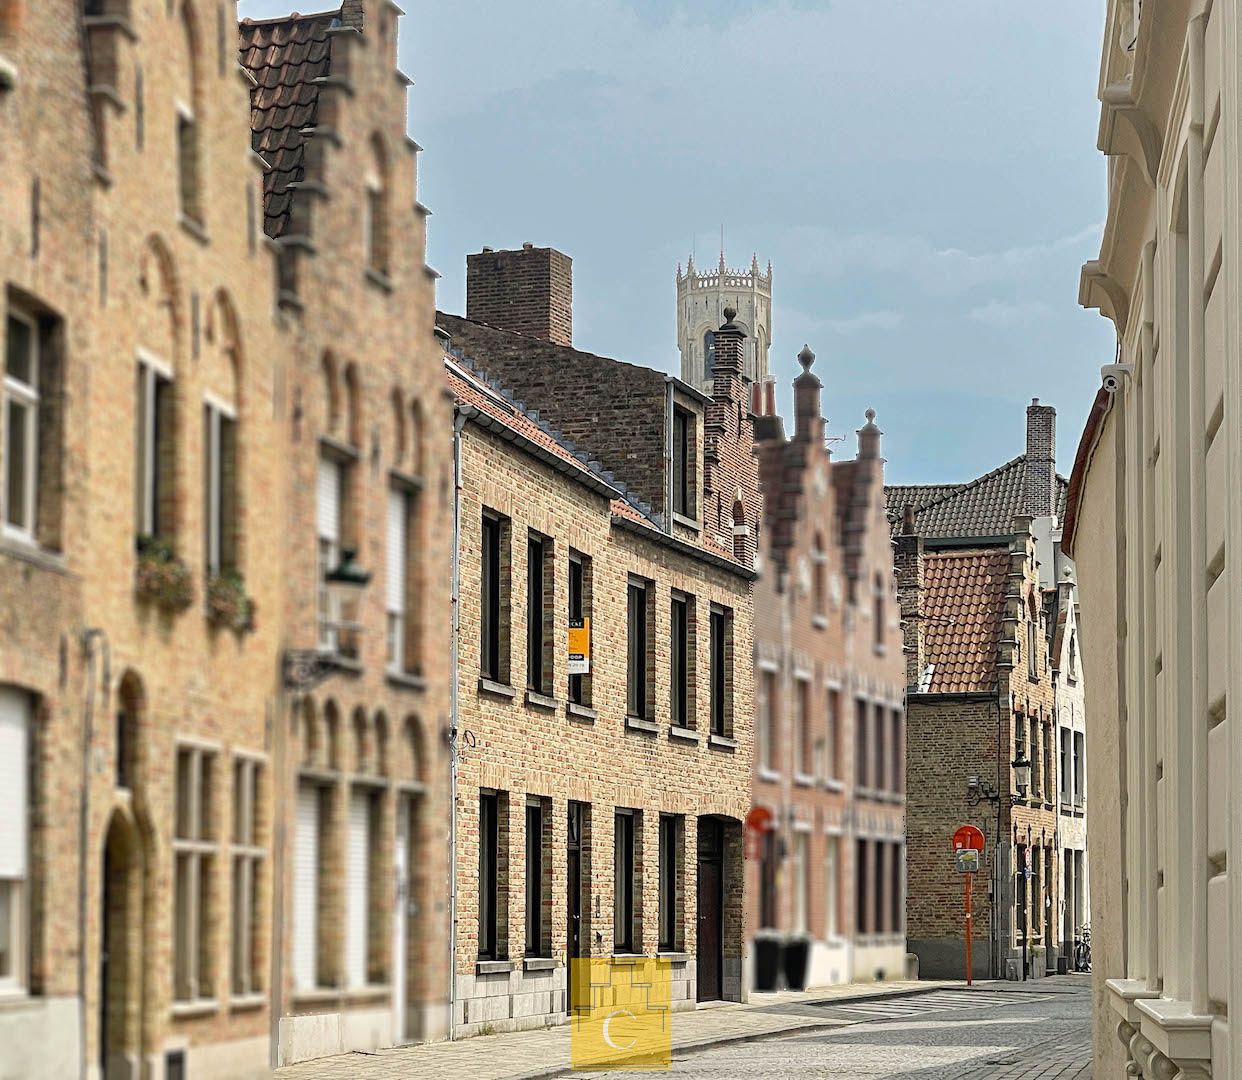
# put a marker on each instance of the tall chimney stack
(1040, 479)
(530, 290)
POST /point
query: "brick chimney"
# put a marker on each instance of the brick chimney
(1040, 479)
(530, 291)
(727, 382)
(808, 420)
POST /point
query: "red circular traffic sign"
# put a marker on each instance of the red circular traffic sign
(968, 837)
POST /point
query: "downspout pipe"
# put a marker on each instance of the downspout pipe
(1001, 793)
(668, 454)
(90, 638)
(459, 422)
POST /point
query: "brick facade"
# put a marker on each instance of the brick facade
(828, 670)
(149, 260)
(608, 751)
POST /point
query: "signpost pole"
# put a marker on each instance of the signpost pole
(970, 878)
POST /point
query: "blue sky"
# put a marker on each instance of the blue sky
(921, 173)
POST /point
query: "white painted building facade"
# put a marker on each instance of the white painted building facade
(1155, 528)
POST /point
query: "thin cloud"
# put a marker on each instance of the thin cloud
(864, 320)
(1002, 313)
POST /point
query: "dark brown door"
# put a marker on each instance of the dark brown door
(710, 957)
(573, 906)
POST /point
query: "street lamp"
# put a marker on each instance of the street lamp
(305, 669)
(1021, 774)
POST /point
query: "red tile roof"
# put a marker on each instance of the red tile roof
(286, 58)
(962, 605)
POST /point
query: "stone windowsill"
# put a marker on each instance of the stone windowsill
(1174, 1030)
(405, 679)
(628, 958)
(880, 649)
(683, 734)
(687, 522)
(831, 783)
(245, 1002)
(346, 665)
(30, 552)
(378, 278)
(636, 723)
(771, 776)
(20, 998)
(496, 689)
(322, 995)
(193, 227)
(539, 963)
(674, 957)
(186, 1010)
(819, 622)
(804, 779)
(721, 742)
(493, 967)
(537, 700)
(369, 993)
(579, 712)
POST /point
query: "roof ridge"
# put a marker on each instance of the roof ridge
(971, 484)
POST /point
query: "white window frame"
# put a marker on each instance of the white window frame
(150, 368)
(15, 984)
(25, 394)
(831, 772)
(801, 914)
(328, 550)
(832, 884)
(197, 848)
(801, 709)
(247, 859)
(765, 720)
(396, 613)
(216, 411)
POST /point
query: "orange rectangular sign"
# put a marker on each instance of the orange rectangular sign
(579, 646)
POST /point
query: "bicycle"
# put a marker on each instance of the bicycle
(1082, 950)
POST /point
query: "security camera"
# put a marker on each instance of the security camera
(1111, 376)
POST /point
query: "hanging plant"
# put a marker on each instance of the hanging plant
(227, 602)
(161, 578)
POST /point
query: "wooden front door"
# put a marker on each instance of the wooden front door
(710, 957)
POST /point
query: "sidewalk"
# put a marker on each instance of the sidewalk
(527, 1055)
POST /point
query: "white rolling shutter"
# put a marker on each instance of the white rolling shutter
(328, 501)
(14, 733)
(397, 557)
(357, 889)
(306, 889)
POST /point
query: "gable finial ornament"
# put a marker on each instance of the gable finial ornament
(806, 358)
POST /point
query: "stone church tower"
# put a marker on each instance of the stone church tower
(702, 297)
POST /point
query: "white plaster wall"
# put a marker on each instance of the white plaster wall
(39, 1039)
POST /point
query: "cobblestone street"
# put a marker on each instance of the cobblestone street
(991, 1033)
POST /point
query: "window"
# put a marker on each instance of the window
(1080, 767)
(861, 873)
(832, 886)
(878, 614)
(187, 164)
(896, 889)
(862, 772)
(1047, 770)
(672, 830)
(769, 867)
(802, 881)
(638, 658)
(709, 354)
(15, 717)
(362, 894)
(765, 733)
(721, 681)
(803, 763)
(1066, 778)
(1020, 894)
(579, 616)
(880, 757)
(624, 866)
(494, 661)
(330, 495)
(897, 749)
(156, 466)
(21, 426)
(681, 661)
(1031, 630)
(539, 608)
(248, 852)
(1019, 736)
(1036, 778)
(489, 865)
(832, 743)
(1037, 896)
(1073, 658)
(398, 580)
(538, 877)
(683, 463)
(310, 841)
(194, 851)
(220, 488)
(375, 212)
(819, 577)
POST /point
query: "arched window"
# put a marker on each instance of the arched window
(709, 353)
(187, 106)
(878, 611)
(399, 438)
(375, 209)
(125, 751)
(221, 501)
(819, 576)
(332, 393)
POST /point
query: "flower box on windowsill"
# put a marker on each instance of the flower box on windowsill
(161, 578)
(228, 605)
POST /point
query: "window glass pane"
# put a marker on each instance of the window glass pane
(19, 352)
(8, 912)
(18, 463)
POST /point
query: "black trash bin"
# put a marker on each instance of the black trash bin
(769, 954)
(797, 959)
